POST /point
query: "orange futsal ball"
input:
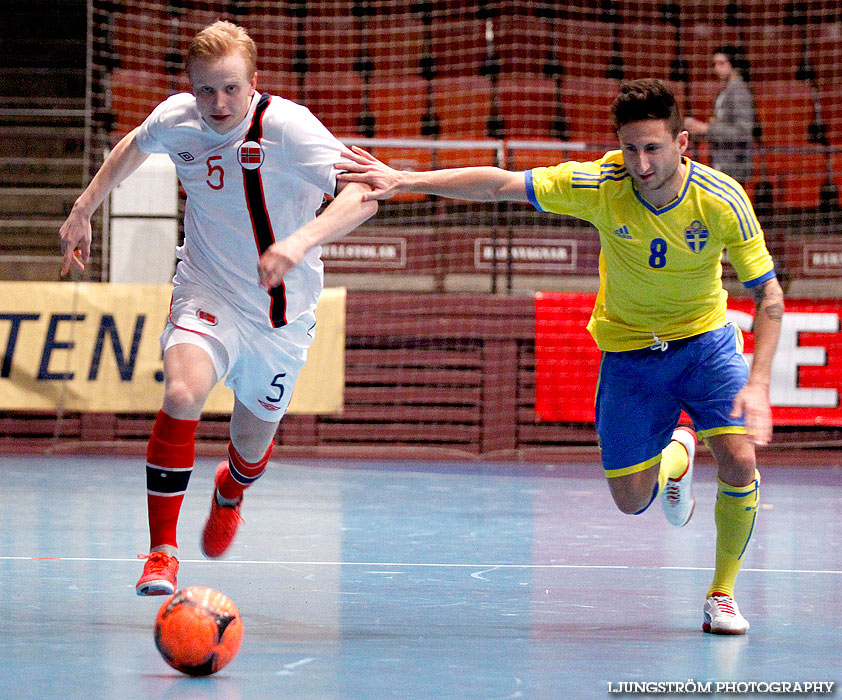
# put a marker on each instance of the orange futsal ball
(198, 630)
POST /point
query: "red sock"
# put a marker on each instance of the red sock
(241, 474)
(169, 464)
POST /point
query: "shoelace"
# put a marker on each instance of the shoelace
(725, 604)
(159, 558)
(672, 491)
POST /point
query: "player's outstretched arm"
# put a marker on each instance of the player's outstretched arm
(347, 211)
(478, 184)
(753, 400)
(75, 232)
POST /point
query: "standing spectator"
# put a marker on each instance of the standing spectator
(731, 132)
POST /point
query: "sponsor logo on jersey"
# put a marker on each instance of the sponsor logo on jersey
(696, 236)
(623, 232)
(250, 155)
(268, 406)
(186, 156)
(207, 318)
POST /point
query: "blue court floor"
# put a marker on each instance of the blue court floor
(375, 580)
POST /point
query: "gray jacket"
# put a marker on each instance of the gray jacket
(731, 133)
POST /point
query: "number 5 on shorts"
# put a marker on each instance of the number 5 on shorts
(276, 382)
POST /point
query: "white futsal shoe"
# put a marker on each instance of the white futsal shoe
(677, 496)
(722, 616)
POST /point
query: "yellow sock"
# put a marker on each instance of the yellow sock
(735, 514)
(673, 463)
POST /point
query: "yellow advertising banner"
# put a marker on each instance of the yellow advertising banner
(86, 346)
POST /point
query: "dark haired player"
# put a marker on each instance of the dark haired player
(659, 317)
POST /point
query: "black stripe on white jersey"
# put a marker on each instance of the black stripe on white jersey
(260, 222)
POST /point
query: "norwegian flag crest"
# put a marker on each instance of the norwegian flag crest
(250, 155)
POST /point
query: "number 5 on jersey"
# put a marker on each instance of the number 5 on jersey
(216, 175)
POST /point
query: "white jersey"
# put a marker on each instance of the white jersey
(246, 189)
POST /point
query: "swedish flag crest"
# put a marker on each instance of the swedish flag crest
(696, 236)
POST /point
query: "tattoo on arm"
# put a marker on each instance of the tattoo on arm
(775, 312)
(768, 299)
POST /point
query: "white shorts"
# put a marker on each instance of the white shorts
(261, 363)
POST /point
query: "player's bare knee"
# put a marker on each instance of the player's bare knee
(632, 493)
(738, 472)
(737, 467)
(630, 503)
(181, 397)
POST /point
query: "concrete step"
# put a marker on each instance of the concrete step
(43, 52)
(33, 141)
(42, 102)
(42, 82)
(30, 268)
(30, 236)
(41, 172)
(43, 116)
(55, 202)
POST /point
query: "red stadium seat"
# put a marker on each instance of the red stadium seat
(784, 110)
(522, 44)
(526, 159)
(281, 83)
(825, 45)
(332, 43)
(462, 104)
(584, 47)
(710, 12)
(336, 98)
(637, 41)
(587, 106)
(398, 105)
(276, 38)
(458, 42)
(148, 55)
(395, 44)
(774, 51)
(697, 99)
(830, 99)
(124, 92)
(528, 105)
(799, 176)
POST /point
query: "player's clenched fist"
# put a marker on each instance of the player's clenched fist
(278, 259)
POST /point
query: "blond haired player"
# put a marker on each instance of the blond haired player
(659, 317)
(255, 169)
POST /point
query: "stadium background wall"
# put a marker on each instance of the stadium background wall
(450, 369)
(427, 376)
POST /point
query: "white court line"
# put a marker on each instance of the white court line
(483, 567)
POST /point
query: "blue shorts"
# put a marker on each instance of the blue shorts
(641, 393)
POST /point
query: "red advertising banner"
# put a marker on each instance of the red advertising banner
(806, 374)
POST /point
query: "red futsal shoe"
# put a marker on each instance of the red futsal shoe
(222, 523)
(158, 574)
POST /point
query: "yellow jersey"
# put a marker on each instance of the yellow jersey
(660, 269)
